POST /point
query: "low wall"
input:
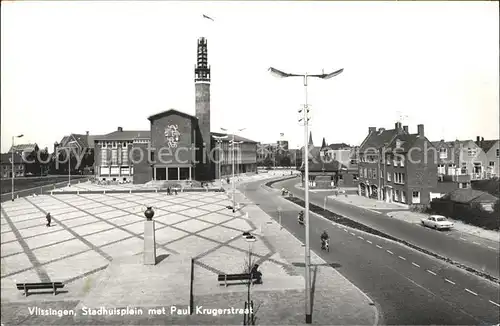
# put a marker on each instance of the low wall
(129, 191)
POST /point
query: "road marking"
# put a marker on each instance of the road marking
(352, 233)
(369, 241)
(379, 246)
(447, 280)
(491, 247)
(403, 258)
(390, 252)
(474, 242)
(415, 264)
(431, 272)
(346, 230)
(496, 304)
(361, 238)
(470, 291)
(462, 238)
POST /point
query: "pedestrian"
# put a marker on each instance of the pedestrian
(49, 219)
(255, 273)
(175, 191)
(168, 191)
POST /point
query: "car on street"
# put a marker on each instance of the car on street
(437, 222)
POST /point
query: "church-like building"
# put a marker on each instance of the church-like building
(178, 146)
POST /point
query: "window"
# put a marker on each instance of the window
(443, 153)
(104, 156)
(114, 157)
(398, 143)
(471, 152)
(355, 177)
(415, 197)
(492, 163)
(440, 168)
(388, 176)
(402, 162)
(370, 175)
(463, 169)
(498, 152)
(365, 173)
(381, 174)
(388, 160)
(399, 178)
(124, 156)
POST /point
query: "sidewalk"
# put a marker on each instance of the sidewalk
(336, 300)
(349, 190)
(413, 217)
(368, 203)
(402, 212)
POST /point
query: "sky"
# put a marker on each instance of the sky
(71, 67)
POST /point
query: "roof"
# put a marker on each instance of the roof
(454, 143)
(407, 141)
(377, 139)
(5, 158)
(469, 195)
(236, 137)
(125, 135)
(318, 166)
(169, 112)
(83, 140)
(24, 147)
(491, 186)
(486, 145)
(337, 146)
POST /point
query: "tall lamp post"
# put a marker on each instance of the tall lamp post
(305, 111)
(69, 160)
(233, 144)
(12, 166)
(219, 139)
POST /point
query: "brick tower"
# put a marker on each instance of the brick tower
(204, 170)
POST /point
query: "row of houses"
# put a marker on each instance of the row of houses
(395, 165)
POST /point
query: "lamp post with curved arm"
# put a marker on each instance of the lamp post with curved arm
(232, 150)
(219, 139)
(12, 162)
(280, 74)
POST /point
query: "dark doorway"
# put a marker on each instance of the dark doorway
(161, 173)
(173, 174)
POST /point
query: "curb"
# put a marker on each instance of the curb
(370, 300)
(407, 244)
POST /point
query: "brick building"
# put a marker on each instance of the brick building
(178, 146)
(396, 166)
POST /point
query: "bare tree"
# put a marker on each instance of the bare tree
(251, 317)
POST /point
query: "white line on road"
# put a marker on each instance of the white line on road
(415, 264)
(462, 238)
(403, 258)
(346, 230)
(379, 246)
(474, 242)
(361, 238)
(352, 233)
(491, 247)
(470, 291)
(369, 241)
(431, 272)
(390, 252)
(496, 304)
(447, 280)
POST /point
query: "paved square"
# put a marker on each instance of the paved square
(90, 230)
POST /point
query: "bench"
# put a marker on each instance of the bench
(236, 277)
(38, 286)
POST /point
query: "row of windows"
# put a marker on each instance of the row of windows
(372, 174)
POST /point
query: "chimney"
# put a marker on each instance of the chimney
(381, 130)
(120, 129)
(482, 139)
(371, 129)
(478, 139)
(397, 126)
(405, 128)
(87, 133)
(420, 130)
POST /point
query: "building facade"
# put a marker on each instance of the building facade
(491, 149)
(396, 166)
(178, 146)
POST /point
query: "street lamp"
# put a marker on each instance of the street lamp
(219, 139)
(232, 144)
(250, 239)
(280, 74)
(12, 162)
(69, 160)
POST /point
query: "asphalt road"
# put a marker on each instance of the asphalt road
(408, 287)
(477, 253)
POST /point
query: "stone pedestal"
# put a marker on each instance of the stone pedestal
(149, 255)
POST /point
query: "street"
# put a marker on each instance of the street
(479, 254)
(408, 287)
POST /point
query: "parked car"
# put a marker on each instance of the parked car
(437, 222)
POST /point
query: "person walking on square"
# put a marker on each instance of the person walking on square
(49, 219)
(175, 191)
(168, 191)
